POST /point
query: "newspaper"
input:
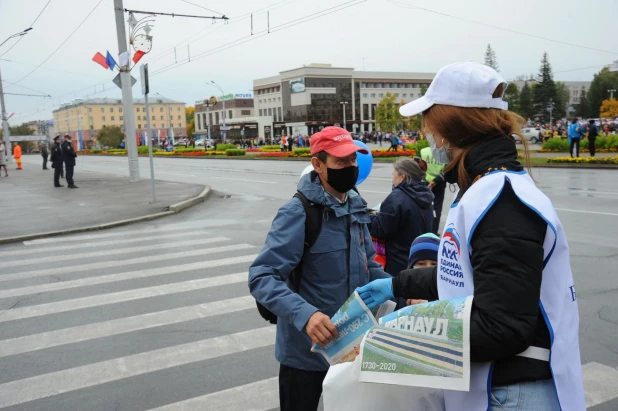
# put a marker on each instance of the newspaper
(352, 320)
(423, 345)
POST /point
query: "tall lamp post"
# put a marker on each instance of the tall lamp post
(223, 101)
(550, 108)
(343, 104)
(6, 134)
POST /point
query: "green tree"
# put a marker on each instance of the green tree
(490, 58)
(511, 96)
(387, 113)
(603, 81)
(561, 102)
(21, 130)
(110, 136)
(423, 89)
(582, 108)
(526, 107)
(545, 88)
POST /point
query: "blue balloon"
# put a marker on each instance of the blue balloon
(365, 162)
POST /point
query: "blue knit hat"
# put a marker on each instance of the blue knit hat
(424, 247)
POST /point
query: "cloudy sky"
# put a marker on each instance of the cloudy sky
(381, 35)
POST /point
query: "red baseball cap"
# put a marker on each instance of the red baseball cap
(335, 141)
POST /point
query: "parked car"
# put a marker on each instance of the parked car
(531, 134)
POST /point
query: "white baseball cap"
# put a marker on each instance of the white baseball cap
(466, 84)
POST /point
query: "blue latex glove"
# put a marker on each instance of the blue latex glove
(376, 292)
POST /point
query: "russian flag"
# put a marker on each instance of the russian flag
(110, 61)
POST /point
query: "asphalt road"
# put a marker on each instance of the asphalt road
(128, 319)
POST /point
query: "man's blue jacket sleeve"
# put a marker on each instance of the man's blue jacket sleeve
(283, 250)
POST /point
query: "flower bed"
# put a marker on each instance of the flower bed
(384, 153)
(584, 160)
(253, 150)
(272, 154)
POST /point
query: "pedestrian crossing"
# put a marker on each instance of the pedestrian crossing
(155, 317)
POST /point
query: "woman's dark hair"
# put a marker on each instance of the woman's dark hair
(466, 127)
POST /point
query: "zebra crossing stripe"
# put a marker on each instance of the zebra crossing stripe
(86, 237)
(130, 275)
(104, 253)
(118, 263)
(118, 297)
(58, 382)
(109, 328)
(258, 396)
(71, 248)
(599, 383)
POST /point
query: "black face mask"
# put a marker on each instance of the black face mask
(342, 179)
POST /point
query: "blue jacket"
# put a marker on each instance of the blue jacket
(573, 133)
(340, 261)
(405, 214)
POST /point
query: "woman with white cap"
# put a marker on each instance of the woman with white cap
(504, 244)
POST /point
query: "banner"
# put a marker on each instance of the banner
(423, 345)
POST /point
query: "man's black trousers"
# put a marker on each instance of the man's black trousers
(299, 390)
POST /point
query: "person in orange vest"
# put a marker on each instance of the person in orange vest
(17, 155)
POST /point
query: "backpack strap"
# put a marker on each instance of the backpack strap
(313, 226)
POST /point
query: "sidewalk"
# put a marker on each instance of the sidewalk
(30, 204)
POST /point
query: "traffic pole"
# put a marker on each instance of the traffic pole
(6, 134)
(127, 95)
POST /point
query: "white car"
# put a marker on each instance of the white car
(209, 143)
(531, 134)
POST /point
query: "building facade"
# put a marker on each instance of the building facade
(306, 99)
(43, 128)
(577, 90)
(86, 117)
(239, 117)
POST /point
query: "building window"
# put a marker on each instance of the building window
(278, 89)
(217, 117)
(111, 110)
(245, 112)
(199, 122)
(260, 112)
(139, 126)
(363, 85)
(387, 85)
(364, 95)
(120, 110)
(143, 109)
(275, 116)
(112, 118)
(121, 118)
(209, 118)
(153, 117)
(162, 118)
(177, 108)
(103, 118)
(270, 111)
(161, 109)
(381, 95)
(365, 111)
(373, 95)
(404, 95)
(230, 111)
(179, 117)
(280, 116)
(396, 95)
(102, 109)
(91, 119)
(379, 85)
(90, 110)
(139, 117)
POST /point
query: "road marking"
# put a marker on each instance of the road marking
(153, 230)
(108, 264)
(73, 247)
(46, 385)
(245, 180)
(119, 297)
(599, 383)
(586, 211)
(131, 275)
(258, 396)
(113, 252)
(109, 328)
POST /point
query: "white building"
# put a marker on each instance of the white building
(306, 99)
(238, 116)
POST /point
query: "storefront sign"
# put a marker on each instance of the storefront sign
(298, 85)
(237, 95)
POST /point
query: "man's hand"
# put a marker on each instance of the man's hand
(432, 185)
(320, 329)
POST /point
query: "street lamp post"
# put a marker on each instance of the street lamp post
(550, 107)
(6, 134)
(223, 101)
(343, 103)
(611, 94)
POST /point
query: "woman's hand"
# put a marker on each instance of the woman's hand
(376, 292)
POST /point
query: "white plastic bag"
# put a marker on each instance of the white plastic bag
(342, 391)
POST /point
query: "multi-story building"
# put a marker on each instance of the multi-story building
(238, 116)
(43, 128)
(306, 99)
(86, 117)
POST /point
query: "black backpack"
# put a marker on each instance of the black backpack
(313, 226)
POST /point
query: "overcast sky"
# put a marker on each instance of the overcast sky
(382, 35)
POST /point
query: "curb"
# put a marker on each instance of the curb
(173, 209)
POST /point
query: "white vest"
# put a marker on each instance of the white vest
(558, 304)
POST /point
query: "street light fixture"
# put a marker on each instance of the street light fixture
(3, 114)
(223, 101)
(343, 103)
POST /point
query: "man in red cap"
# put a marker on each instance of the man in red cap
(325, 227)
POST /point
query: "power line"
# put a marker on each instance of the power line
(62, 44)
(263, 33)
(29, 95)
(409, 6)
(31, 25)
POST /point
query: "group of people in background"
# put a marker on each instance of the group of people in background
(4, 156)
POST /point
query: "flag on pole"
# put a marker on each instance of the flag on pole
(98, 58)
(110, 61)
(137, 56)
(124, 59)
(81, 140)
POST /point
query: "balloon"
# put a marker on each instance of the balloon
(307, 170)
(365, 162)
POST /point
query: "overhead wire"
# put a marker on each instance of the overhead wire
(61, 44)
(31, 25)
(409, 6)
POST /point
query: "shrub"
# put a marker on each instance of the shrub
(418, 146)
(555, 144)
(234, 152)
(96, 151)
(188, 150)
(223, 147)
(299, 151)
